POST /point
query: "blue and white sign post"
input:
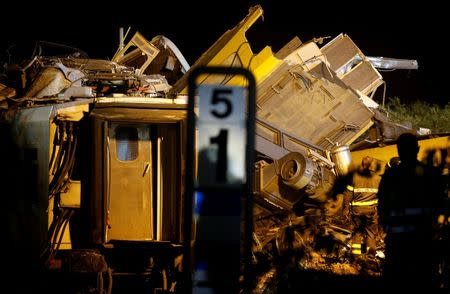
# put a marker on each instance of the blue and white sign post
(218, 203)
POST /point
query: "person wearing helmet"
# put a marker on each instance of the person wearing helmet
(361, 194)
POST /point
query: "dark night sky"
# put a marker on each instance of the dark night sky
(378, 27)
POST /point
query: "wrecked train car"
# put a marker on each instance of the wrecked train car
(103, 142)
(311, 104)
(102, 149)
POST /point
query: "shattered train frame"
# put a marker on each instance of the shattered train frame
(102, 144)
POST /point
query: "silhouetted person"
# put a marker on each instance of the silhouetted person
(392, 163)
(409, 195)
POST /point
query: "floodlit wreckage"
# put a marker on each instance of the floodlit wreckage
(90, 131)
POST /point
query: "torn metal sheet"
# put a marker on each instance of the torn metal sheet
(158, 56)
(166, 43)
(140, 57)
(233, 49)
(49, 83)
(169, 62)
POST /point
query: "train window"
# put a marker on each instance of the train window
(127, 143)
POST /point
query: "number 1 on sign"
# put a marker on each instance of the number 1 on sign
(222, 163)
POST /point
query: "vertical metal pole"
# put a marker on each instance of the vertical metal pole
(121, 38)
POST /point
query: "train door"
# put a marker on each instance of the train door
(129, 186)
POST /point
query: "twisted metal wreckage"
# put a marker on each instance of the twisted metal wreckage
(78, 120)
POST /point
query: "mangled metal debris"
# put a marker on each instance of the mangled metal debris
(140, 69)
(159, 56)
(312, 103)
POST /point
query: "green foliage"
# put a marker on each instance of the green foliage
(420, 114)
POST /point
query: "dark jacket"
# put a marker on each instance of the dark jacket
(407, 193)
(363, 188)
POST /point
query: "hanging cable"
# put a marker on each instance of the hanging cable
(65, 160)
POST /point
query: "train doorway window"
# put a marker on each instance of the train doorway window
(127, 143)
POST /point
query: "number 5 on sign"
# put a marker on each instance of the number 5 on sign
(222, 128)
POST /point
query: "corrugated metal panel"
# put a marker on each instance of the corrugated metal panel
(350, 64)
(316, 110)
(363, 77)
(340, 51)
